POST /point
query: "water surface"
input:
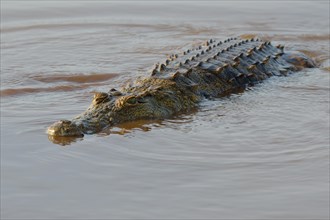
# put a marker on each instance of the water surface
(262, 154)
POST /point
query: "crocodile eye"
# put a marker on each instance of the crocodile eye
(131, 101)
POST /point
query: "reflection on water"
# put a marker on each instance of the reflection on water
(121, 129)
(129, 128)
(63, 141)
(261, 154)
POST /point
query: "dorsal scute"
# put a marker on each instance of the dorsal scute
(211, 55)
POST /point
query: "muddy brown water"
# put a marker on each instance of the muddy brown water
(262, 154)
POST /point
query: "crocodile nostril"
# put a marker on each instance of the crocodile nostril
(65, 122)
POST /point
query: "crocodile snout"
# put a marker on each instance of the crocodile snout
(64, 128)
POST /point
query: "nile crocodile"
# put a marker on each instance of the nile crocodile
(214, 69)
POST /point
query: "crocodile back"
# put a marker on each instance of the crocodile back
(217, 66)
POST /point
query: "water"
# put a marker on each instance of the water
(263, 154)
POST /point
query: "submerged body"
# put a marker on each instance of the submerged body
(211, 70)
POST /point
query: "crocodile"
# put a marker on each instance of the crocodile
(213, 69)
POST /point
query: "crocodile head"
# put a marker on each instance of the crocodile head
(109, 109)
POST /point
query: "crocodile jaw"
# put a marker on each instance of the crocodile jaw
(65, 128)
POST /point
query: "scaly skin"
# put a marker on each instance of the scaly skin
(182, 81)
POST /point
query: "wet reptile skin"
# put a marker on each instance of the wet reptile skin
(177, 85)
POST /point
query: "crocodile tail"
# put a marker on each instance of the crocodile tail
(299, 60)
